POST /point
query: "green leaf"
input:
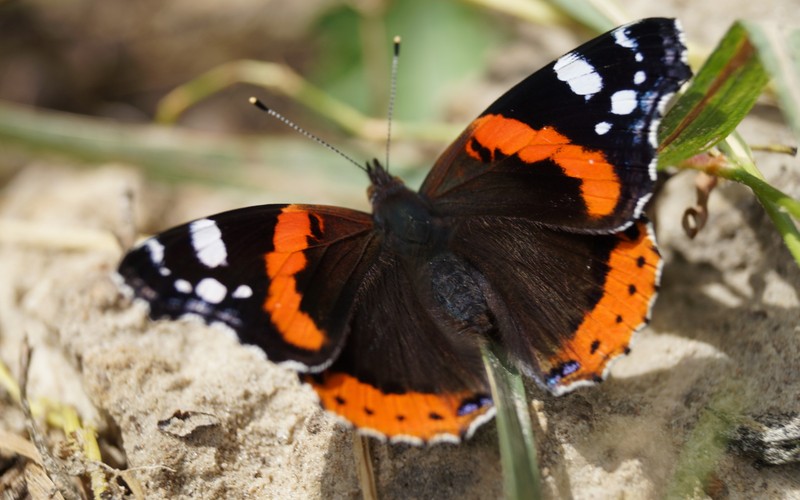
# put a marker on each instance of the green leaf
(720, 96)
(717, 99)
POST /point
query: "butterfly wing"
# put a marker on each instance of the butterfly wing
(402, 374)
(573, 145)
(283, 277)
(538, 190)
(312, 287)
(574, 300)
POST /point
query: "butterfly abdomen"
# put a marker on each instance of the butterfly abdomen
(457, 291)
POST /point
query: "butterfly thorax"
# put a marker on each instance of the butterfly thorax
(402, 216)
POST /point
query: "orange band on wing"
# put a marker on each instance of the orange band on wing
(283, 263)
(408, 415)
(628, 293)
(600, 186)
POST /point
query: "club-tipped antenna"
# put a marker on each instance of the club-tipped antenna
(297, 128)
(392, 94)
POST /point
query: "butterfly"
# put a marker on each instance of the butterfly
(528, 232)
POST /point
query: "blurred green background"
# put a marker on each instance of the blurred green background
(117, 60)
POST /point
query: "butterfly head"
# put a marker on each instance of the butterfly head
(382, 184)
(403, 216)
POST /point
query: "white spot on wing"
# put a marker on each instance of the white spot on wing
(639, 77)
(211, 290)
(602, 127)
(581, 76)
(639, 57)
(682, 40)
(156, 250)
(242, 292)
(623, 40)
(623, 102)
(652, 136)
(445, 438)
(183, 286)
(207, 243)
(480, 421)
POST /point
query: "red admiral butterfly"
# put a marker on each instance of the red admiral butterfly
(527, 231)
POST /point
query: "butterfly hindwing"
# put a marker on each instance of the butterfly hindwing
(283, 277)
(573, 145)
(401, 373)
(575, 300)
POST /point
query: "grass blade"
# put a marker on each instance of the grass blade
(707, 443)
(779, 206)
(169, 153)
(514, 430)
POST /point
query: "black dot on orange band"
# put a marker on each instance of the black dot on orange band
(633, 232)
(483, 152)
(640, 262)
(315, 223)
(339, 400)
(627, 350)
(595, 346)
(400, 418)
(631, 289)
(435, 416)
(597, 378)
(619, 318)
(368, 411)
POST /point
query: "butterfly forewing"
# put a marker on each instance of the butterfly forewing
(573, 145)
(283, 277)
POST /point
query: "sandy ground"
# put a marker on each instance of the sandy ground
(724, 340)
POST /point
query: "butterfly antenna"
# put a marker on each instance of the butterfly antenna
(392, 94)
(297, 128)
